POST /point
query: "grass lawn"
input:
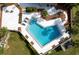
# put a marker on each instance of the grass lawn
(17, 46)
(71, 51)
(1, 51)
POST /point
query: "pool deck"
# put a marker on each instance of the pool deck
(24, 32)
(34, 43)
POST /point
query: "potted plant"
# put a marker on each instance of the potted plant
(44, 14)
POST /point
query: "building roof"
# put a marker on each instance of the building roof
(7, 17)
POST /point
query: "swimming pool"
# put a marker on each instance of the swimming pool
(43, 35)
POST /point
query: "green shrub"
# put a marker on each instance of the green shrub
(77, 13)
(3, 31)
(31, 9)
(44, 13)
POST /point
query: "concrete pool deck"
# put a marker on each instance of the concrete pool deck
(34, 43)
(10, 20)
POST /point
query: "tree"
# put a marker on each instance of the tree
(69, 8)
(44, 13)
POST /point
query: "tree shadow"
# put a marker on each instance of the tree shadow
(76, 43)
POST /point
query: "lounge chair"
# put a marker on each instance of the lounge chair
(23, 24)
(25, 21)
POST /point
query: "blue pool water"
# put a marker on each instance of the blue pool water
(43, 35)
